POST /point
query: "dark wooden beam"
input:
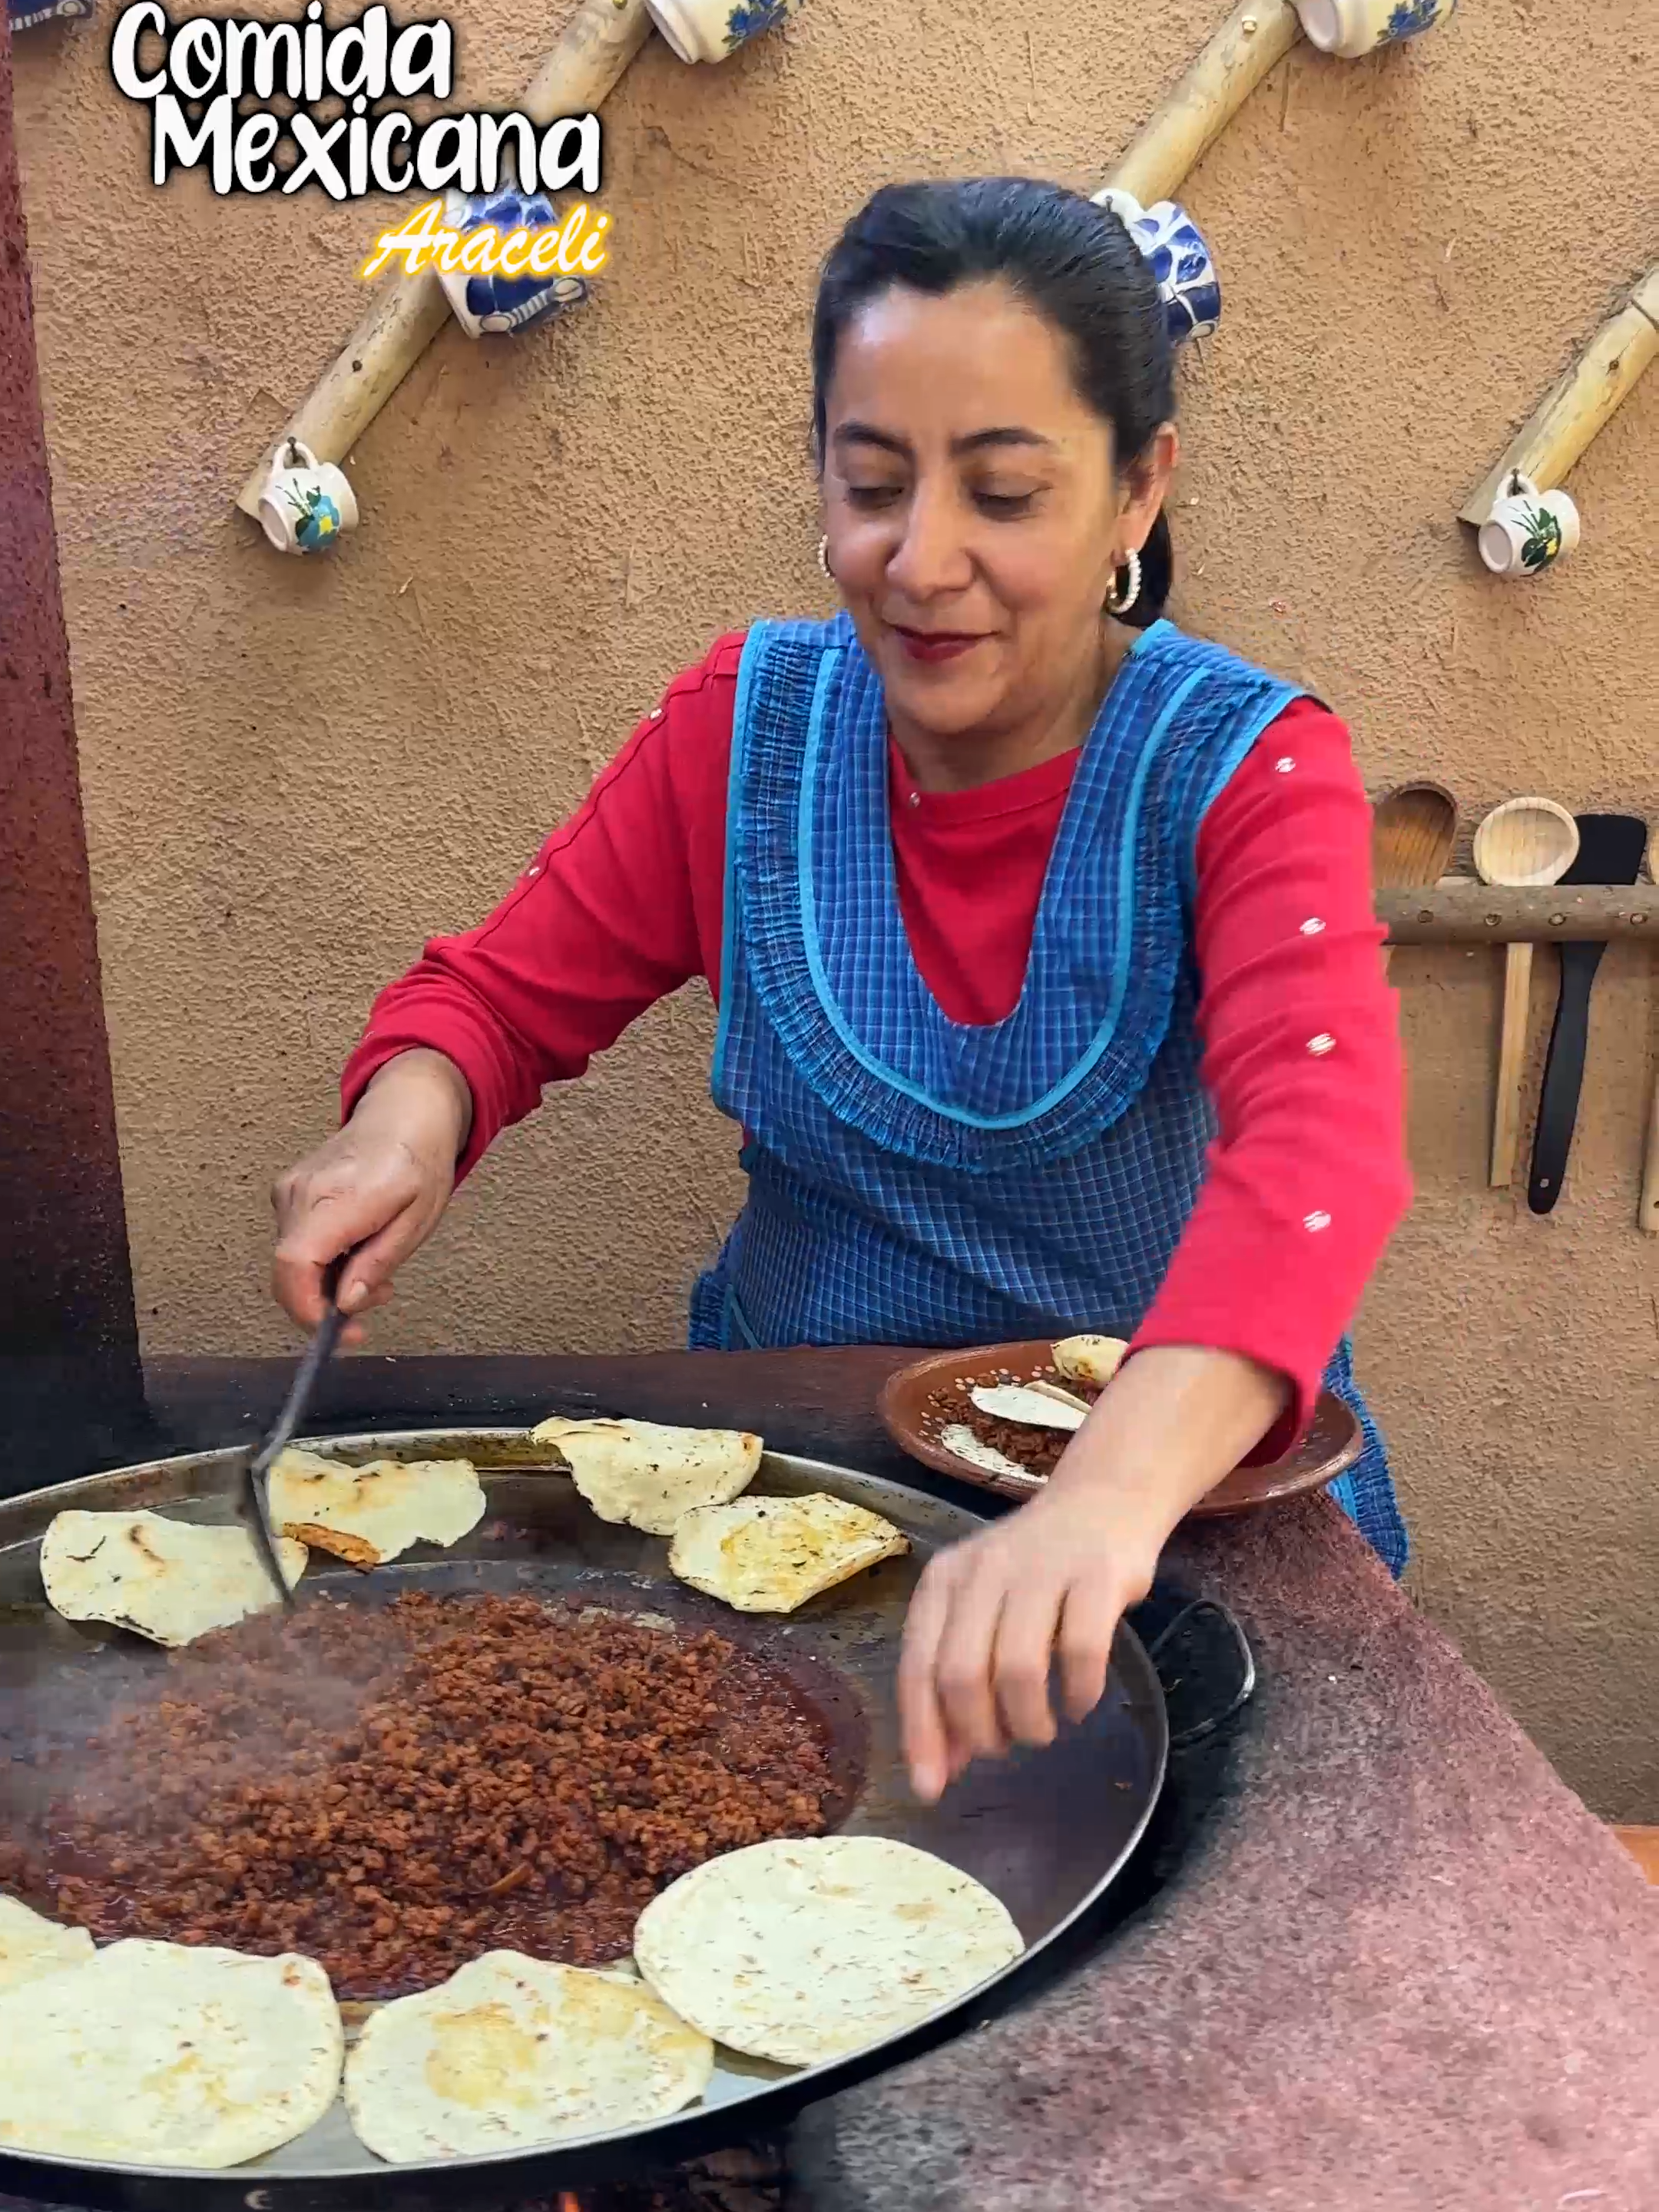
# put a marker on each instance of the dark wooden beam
(70, 1387)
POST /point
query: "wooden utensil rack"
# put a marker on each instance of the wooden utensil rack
(1480, 914)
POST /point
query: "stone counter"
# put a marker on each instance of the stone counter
(1401, 1968)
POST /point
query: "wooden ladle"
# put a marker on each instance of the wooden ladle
(1413, 830)
(1523, 841)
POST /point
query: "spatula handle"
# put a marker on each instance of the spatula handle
(316, 1355)
(1511, 1052)
(1564, 1075)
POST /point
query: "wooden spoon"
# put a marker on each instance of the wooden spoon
(1523, 841)
(1413, 830)
(1648, 1217)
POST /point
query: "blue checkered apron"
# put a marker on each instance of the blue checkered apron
(916, 1180)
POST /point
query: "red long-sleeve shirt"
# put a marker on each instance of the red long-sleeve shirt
(1307, 1179)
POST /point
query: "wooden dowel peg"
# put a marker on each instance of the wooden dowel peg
(1258, 34)
(593, 50)
(407, 315)
(1581, 404)
(1483, 914)
(1511, 1054)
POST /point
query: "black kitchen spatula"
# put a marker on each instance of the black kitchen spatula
(1610, 849)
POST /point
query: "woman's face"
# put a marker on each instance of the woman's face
(973, 516)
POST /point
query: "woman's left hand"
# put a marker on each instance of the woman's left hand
(990, 1615)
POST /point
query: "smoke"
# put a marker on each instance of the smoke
(90, 1732)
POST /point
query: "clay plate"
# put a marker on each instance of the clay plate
(1333, 1441)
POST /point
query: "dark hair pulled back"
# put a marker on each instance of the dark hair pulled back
(1073, 262)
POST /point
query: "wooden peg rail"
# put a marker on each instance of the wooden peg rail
(1481, 913)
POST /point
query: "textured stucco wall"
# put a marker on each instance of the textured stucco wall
(295, 770)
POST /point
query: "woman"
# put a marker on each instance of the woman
(1012, 898)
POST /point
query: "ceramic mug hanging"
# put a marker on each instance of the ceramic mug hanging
(484, 304)
(1353, 28)
(1173, 248)
(29, 14)
(306, 504)
(1528, 530)
(709, 30)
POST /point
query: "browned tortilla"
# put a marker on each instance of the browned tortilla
(356, 1551)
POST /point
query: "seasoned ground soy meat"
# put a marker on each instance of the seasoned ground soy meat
(1037, 1450)
(394, 1791)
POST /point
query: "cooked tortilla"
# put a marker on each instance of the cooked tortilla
(771, 1554)
(1018, 1402)
(956, 1437)
(171, 1581)
(1089, 1358)
(511, 2052)
(648, 1475)
(31, 1946)
(169, 2054)
(369, 1515)
(802, 1951)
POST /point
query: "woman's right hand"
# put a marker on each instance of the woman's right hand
(378, 1189)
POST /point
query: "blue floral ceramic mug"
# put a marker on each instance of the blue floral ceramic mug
(1175, 251)
(306, 504)
(29, 15)
(708, 30)
(1353, 28)
(481, 304)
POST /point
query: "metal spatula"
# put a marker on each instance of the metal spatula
(316, 1356)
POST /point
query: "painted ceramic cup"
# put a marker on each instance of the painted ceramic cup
(1174, 249)
(29, 14)
(492, 304)
(306, 503)
(1527, 530)
(708, 30)
(1353, 28)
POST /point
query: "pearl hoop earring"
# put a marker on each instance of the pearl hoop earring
(824, 559)
(1122, 597)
